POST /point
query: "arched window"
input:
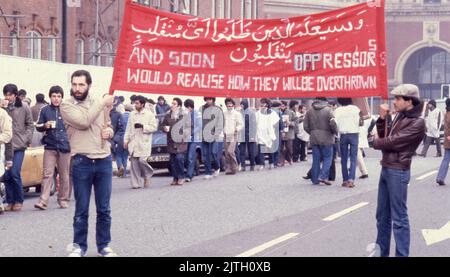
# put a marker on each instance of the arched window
(429, 69)
(14, 44)
(94, 52)
(51, 48)
(108, 54)
(33, 45)
(79, 51)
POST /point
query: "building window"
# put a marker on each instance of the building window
(429, 69)
(33, 45)
(14, 44)
(218, 9)
(190, 7)
(150, 3)
(228, 9)
(108, 54)
(94, 52)
(51, 48)
(249, 9)
(79, 51)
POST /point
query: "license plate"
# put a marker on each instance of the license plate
(164, 158)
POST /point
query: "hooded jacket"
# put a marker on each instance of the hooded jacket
(320, 124)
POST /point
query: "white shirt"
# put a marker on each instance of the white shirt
(347, 119)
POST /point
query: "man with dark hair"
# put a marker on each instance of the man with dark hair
(212, 124)
(57, 150)
(177, 140)
(196, 138)
(433, 123)
(22, 94)
(40, 103)
(89, 129)
(233, 125)
(348, 121)
(248, 136)
(290, 119)
(23, 127)
(162, 107)
(321, 126)
(398, 142)
(138, 140)
(267, 127)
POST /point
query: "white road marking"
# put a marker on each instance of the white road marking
(433, 236)
(426, 175)
(346, 211)
(267, 245)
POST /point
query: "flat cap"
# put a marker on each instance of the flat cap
(407, 90)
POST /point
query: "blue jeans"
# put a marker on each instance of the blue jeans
(209, 152)
(177, 165)
(392, 212)
(191, 158)
(250, 148)
(443, 169)
(349, 148)
(13, 180)
(321, 153)
(88, 173)
(121, 157)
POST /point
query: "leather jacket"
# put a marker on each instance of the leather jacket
(403, 138)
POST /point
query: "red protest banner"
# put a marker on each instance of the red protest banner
(340, 53)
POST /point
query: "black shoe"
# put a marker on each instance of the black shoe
(306, 177)
(441, 183)
(365, 176)
(421, 155)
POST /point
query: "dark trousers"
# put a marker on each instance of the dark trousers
(428, 141)
(392, 211)
(177, 165)
(13, 180)
(299, 150)
(250, 149)
(349, 149)
(332, 174)
(88, 173)
(286, 151)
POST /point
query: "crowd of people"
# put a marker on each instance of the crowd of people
(83, 136)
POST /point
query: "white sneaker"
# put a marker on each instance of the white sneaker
(208, 177)
(260, 168)
(76, 253)
(107, 252)
(239, 168)
(216, 173)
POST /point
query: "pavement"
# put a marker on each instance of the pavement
(269, 213)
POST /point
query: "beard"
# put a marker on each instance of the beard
(82, 97)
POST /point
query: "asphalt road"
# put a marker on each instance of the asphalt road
(267, 213)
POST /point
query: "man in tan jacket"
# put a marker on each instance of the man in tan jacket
(89, 130)
(138, 140)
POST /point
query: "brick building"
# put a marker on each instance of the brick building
(35, 28)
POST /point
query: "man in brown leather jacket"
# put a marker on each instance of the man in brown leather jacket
(398, 142)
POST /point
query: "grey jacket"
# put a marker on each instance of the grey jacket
(319, 123)
(23, 126)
